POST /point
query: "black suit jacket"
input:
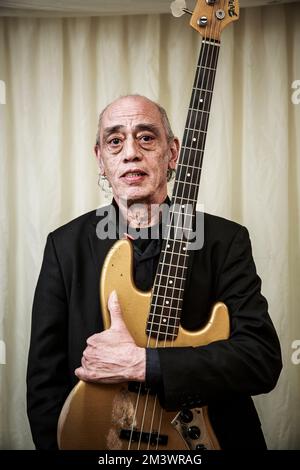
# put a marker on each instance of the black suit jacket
(222, 375)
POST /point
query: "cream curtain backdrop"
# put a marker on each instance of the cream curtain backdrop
(59, 73)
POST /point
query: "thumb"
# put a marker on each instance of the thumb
(115, 311)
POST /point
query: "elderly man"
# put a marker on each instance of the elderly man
(135, 151)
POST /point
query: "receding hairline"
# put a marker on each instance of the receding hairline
(161, 110)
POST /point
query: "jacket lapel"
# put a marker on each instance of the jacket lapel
(100, 240)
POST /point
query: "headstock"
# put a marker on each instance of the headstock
(209, 17)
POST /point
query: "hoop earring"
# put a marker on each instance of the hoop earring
(104, 185)
(170, 174)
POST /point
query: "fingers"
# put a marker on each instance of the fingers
(114, 308)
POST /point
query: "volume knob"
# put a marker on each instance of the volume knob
(186, 415)
(194, 432)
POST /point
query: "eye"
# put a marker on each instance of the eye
(115, 141)
(146, 139)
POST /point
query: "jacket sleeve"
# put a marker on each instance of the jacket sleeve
(248, 363)
(47, 373)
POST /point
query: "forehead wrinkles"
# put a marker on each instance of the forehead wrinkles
(127, 113)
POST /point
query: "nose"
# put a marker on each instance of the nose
(131, 150)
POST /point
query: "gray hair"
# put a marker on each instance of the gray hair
(162, 111)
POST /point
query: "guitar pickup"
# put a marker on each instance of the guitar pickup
(139, 387)
(146, 437)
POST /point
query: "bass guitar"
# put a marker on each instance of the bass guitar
(127, 415)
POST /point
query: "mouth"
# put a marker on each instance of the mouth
(133, 176)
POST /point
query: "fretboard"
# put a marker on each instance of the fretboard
(168, 288)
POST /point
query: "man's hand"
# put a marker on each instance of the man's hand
(112, 355)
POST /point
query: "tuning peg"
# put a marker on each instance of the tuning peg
(178, 8)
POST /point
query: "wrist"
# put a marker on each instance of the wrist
(139, 365)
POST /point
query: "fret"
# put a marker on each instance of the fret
(166, 320)
(194, 138)
(187, 191)
(205, 77)
(162, 336)
(191, 170)
(167, 307)
(183, 212)
(197, 110)
(174, 244)
(176, 219)
(201, 99)
(168, 292)
(205, 67)
(184, 200)
(209, 54)
(161, 328)
(162, 302)
(172, 259)
(202, 89)
(171, 265)
(172, 271)
(181, 232)
(198, 121)
(189, 184)
(170, 239)
(168, 289)
(164, 288)
(163, 275)
(162, 317)
(191, 167)
(194, 130)
(195, 149)
(190, 178)
(179, 199)
(175, 254)
(178, 228)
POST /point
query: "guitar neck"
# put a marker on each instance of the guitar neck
(168, 289)
(187, 181)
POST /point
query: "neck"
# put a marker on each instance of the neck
(140, 214)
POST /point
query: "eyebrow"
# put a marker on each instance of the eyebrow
(138, 128)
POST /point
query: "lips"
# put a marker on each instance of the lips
(133, 173)
(134, 176)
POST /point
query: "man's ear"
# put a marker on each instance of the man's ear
(174, 153)
(97, 153)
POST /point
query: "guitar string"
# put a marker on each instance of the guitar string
(178, 300)
(176, 195)
(200, 89)
(187, 135)
(197, 167)
(201, 63)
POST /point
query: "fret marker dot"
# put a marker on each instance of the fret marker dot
(164, 320)
(170, 282)
(201, 101)
(189, 174)
(183, 206)
(184, 248)
(194, 139)
(167, 302)
(168, 246)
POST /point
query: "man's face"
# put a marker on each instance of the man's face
(134, 153)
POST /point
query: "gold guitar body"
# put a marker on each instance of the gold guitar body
(94, 414)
